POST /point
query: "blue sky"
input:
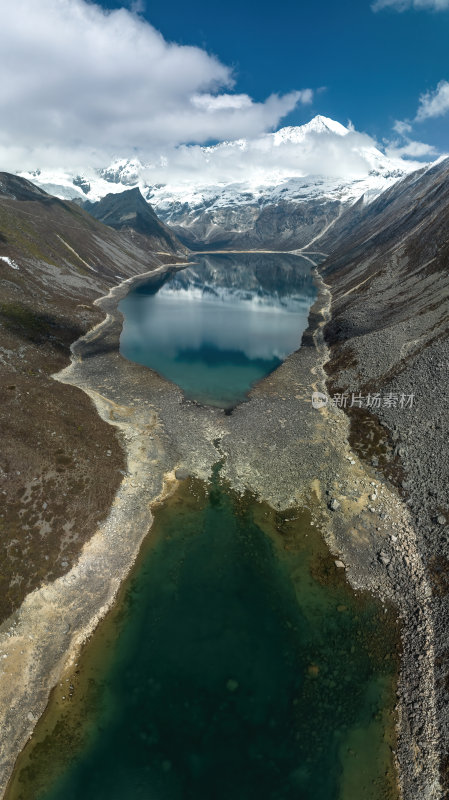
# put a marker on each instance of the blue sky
(373, 65)
(85, 83)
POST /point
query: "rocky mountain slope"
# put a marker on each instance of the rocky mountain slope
(389, 280)
(55, 259)
(246, 223)
(129, 212)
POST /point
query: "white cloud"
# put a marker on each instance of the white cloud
(79, 84)
(431, 104)
(209, 102)
(270, 158)
(407, 147)
(435, 103)
(410, 149)
(404, 5)
(403, 127)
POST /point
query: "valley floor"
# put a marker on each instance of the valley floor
(279, 447)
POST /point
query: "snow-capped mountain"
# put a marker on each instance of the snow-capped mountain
(318, 125)
(279, 190)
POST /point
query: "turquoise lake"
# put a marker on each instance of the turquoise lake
(220, 325)
(238, 663)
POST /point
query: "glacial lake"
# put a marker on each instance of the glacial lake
(237, 663)
(220, 325)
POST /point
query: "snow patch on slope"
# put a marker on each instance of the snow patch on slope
(10, 262)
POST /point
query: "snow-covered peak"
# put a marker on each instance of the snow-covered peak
(317, 125)
(123, 170)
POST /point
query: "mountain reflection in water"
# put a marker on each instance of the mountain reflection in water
(219, 326)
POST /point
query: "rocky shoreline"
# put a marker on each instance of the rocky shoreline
(388, 336)
(287, 453)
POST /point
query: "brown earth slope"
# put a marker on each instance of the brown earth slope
(55, 259)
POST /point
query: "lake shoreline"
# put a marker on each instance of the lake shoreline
(199, 532)
(162, 433)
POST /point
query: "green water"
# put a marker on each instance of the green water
(237, 664)
(219, 326)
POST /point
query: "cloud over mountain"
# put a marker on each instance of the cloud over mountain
(78, 83)
(322, 147)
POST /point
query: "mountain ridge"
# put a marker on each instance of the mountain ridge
(129, 212)
(277, 199)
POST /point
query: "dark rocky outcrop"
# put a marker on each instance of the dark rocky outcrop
(128, 211)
